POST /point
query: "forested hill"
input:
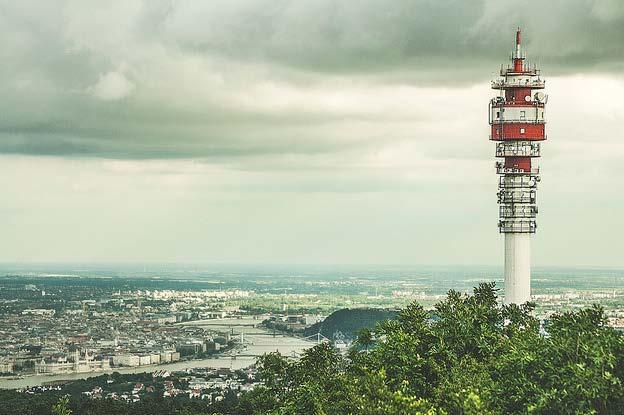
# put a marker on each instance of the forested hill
(350, 321)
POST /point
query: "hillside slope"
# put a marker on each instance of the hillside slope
(348, 322)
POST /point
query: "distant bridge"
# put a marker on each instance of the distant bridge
(218, 324)
(317, 338)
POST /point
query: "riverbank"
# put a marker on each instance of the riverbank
(256, 343)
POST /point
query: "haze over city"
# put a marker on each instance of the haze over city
(298, 132)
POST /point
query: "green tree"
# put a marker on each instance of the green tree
(469, 356)
(62, 406)
(365, 338)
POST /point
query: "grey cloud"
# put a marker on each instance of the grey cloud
(188, 74)
(375, 35)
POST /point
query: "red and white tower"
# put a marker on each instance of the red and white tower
(517, 123)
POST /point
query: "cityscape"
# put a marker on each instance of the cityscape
(288, 208)
(78, 323)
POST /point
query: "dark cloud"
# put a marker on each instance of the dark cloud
(375, 35)
(228, 78)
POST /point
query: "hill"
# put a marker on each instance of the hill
(347, 322)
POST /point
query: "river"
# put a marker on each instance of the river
(256, 342)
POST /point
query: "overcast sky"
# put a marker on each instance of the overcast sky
(299, 131)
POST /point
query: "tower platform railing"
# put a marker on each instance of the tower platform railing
(517, 196)
(518, 181)
(501, 169)
(517, 149)
(517, 226)
(517, 121)
(504, 83)
(517, 211)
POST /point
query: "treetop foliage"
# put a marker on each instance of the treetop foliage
(470, 356)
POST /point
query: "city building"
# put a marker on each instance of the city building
(6, 366)
(76, 363)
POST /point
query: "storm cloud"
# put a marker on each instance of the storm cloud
(229, 79)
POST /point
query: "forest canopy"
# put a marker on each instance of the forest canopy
(474, 357)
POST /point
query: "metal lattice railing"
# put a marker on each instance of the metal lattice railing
(517, 196)
(501, 169)
(518, 181)
(517, 226)
(517, 211)
(517, 149)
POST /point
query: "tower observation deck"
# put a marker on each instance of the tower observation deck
(516, 117)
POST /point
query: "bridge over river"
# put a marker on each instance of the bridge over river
(255, 342)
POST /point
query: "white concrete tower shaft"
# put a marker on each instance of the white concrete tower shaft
(517, 268)
(517, 123)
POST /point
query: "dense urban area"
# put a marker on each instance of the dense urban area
(132, 336)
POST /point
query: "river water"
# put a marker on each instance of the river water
(256, 342)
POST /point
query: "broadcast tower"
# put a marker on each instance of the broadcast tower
(517, 123)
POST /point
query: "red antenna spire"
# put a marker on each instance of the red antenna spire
(518, 59)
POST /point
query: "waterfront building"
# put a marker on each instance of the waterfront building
(76, 363)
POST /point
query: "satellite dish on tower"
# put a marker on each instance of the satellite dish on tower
(539, 96)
